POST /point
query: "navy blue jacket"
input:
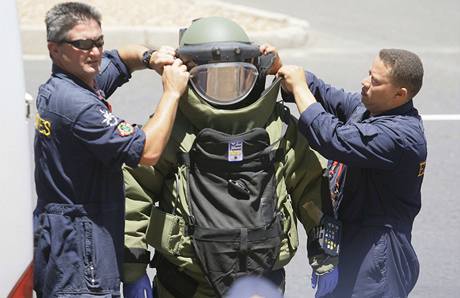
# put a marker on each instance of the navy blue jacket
(384, 157)
(385, 154)
(80, 146)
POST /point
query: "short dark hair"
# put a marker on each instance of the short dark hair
(62, 17)
(406, 69)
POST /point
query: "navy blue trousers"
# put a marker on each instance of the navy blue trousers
(73, 256)
(376, 261)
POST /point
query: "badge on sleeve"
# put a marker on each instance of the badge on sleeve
(109, 118)
(421, 170)
(125, 129)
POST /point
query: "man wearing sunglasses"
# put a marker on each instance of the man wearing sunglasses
(80, 147)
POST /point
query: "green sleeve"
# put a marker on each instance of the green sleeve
(142, 190)
(303, 171)
(304, 179)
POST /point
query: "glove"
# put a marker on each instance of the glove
(326, 283)
(138, 288)
(322, 264)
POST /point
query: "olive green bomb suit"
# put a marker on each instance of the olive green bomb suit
(156, 204)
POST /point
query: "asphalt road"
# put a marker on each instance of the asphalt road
(345, 37)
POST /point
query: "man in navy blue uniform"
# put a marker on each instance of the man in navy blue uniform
(377, 150)
(80, 147)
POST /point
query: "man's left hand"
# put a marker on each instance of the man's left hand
(325, 283)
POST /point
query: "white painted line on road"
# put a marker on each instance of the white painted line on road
(358, 51)
(440, 117)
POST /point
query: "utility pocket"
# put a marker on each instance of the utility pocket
(99, 257)
(289, 240)
(228, 255)
(169, 239)
(290, 226)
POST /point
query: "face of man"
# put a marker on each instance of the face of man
(378, 93)
(82, 63)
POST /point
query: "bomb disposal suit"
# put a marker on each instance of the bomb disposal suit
(224, 198)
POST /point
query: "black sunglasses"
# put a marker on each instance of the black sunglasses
(86, 44)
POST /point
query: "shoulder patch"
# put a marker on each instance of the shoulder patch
(421, 169)
(109, 118)
(125, 129)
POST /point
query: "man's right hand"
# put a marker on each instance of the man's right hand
(296, 83)
(141, 288)
(162, 57)
(294, 77)
(175, 78)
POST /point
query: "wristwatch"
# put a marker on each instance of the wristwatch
(146, 57)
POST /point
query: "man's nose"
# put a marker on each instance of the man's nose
(95, 50)
(365, 82)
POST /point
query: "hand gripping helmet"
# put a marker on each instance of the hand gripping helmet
(223, 63)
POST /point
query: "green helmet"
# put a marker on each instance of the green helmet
(224, 65)
(213, 29)
(215, 39)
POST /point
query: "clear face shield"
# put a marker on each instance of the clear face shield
(222, 73)
(224, 83)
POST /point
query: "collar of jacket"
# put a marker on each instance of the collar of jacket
(202, 115)
(62, 74)
(401, 110)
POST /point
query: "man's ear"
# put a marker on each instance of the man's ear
(53, 48)
(402, 94)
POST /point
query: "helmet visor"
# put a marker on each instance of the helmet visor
(224, 83)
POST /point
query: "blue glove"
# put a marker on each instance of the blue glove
(326, 283)
(138, 288)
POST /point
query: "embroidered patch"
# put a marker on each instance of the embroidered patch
(125, 129)
(421, 169)
(235, 151)
(109, 118)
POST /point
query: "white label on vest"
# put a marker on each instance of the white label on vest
(235, 151)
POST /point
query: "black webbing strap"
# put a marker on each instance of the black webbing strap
(243, 249)
(183, 158)
(251, 235)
